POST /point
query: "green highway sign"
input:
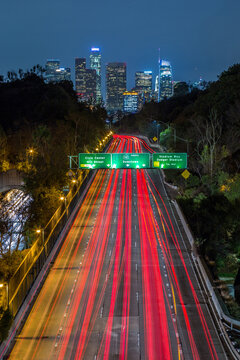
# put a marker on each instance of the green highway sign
(170, 160)
(130, 161)
(95, 161)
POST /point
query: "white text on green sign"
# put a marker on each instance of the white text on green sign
(95, 161)
(170, 160)
(130, 161)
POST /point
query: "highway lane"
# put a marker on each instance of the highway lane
(123, 285)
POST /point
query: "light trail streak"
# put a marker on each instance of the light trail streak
(85, 272)
(155, 318)
(127, 271)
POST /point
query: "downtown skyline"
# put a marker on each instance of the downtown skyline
(192, 39)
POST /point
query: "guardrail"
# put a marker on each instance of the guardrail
(24, 277)
(210, 291)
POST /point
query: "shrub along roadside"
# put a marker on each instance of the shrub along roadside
(5, 323)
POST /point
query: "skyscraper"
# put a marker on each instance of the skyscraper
(91, 83)
(85, 81)
(55, 73)
(116, 86)
(95, 63)
(143, 84)
(130, 102)
(80, 81)
(166, 80)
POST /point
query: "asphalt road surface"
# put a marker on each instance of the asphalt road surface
(123, 285)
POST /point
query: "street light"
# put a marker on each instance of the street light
(41, 231)
(174, 132)
(63, 198)
(157, 133)
(7, 292)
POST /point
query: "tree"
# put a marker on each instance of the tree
(208, 133)
(181, 88)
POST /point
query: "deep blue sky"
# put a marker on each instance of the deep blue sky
(198, 37)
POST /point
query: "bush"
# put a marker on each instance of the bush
(5, 323)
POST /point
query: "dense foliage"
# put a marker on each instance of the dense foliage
(5, 323)
(40, 126)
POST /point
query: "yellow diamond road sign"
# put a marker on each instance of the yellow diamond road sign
(186, 174)
(154, 139)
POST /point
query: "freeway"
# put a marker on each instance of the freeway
(123, 285)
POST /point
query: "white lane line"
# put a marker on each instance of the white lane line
(135, 244)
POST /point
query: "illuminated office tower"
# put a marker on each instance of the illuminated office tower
(95, 64)
(166, 80)
(85, 81)
(143, 84)
(55, 73)
(130, 101)
(80, 78)
(51, 67)
(116, 86)
(90, 83)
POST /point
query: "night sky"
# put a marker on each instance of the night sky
(199, 38)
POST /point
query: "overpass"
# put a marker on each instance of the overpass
(10, 179)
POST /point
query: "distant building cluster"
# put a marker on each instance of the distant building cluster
(55, 73)
(88, 83)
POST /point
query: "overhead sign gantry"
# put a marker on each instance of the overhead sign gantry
(129, 161)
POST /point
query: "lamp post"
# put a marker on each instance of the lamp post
(6, 286)
(41, 231)
(63, 198)
(174, 133)
(157, 132)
